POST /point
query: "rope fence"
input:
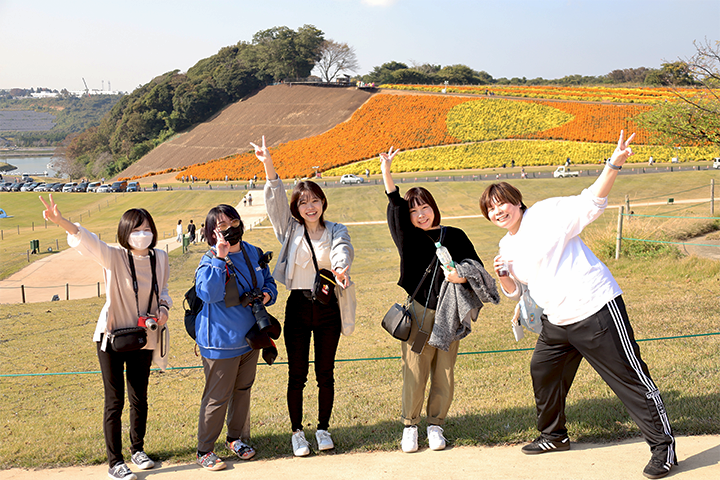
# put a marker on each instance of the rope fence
(345, 360)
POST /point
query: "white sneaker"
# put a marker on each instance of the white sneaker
(436, 440)
(324, 441)
(301, 447)
(410, 439)
(142, 460)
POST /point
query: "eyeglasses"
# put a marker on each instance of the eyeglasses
(224, 226)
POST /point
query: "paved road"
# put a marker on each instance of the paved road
(699, 460)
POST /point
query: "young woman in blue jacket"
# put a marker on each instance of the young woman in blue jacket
(228, 361)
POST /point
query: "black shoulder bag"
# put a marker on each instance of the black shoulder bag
(324, 286)
(135, 338)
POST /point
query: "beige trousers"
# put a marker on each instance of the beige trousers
(432, 363)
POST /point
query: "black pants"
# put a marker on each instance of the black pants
(112, 364)
(303, 319)
(607, 342)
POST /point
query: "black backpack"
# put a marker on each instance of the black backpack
(193, 305)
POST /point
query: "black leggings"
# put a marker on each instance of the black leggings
(303, 319)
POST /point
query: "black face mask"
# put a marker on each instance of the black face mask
(233, 235)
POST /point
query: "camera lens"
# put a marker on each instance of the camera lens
(151, 324)
(261, 316)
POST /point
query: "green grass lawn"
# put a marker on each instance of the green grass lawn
(52, 420)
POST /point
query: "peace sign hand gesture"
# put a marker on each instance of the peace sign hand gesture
(262, 153)
(623, 150)
(51, 212)
(386, 159)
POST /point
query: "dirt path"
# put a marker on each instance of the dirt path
(68, 272)
(699, 460)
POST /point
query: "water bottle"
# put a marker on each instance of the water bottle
(445, 258)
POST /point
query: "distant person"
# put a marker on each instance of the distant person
(136, 262)
(567, 162)
(309, 244)
(179, 231)
(202, 232)
(584, 312)
(249, 199)
(367, 173)
(191, 231)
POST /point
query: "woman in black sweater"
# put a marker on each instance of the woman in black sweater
(414, 223)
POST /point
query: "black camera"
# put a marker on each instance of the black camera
(255, 300)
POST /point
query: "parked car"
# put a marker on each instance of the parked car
(118, 187)
(15, 187)
(5, 186)
(563, 172)
(57, 187)
(41, 187)
(28, 187)
(350, 178)
(716, 162)
(93, 186)
(69, 187)
(133, 187)
(103, 188)
(81, 187)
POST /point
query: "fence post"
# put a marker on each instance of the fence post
(618, 241)
(67, 291)
(627, 203)
(22, 289)
(57, 246)
(712, 196)
(98, 289)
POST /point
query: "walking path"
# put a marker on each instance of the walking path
(48, 276)
(699, 460)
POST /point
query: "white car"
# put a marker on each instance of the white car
(563, 172)
(93, 186)
(69, 187)
(103, 188)
(350, 178)
(716, 162)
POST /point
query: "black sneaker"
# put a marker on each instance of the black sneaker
(121, 472)
(543, 444)
(657, 468)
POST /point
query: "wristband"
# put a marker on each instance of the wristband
(613, 166)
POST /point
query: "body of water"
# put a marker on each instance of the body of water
(31, 165)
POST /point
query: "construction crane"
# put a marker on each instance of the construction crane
(87, 90)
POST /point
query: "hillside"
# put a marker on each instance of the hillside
(280, 112)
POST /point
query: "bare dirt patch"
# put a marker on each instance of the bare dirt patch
(280, 112)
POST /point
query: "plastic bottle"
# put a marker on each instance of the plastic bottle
(445, 258)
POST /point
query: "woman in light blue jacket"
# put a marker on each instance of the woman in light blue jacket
(308, 239)
(229, 281)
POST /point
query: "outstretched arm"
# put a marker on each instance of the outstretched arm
(263, 154)
(53, 214)
(385, 163)
(602, 186)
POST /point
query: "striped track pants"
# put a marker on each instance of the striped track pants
(606, 341)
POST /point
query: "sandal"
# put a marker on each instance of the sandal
(241, 449)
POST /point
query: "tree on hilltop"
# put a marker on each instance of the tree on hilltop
(695, 118)
(281, 53)
(336, 57)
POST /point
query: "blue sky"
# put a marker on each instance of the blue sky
(55, 43)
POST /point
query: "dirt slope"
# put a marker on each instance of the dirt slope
(280, 112)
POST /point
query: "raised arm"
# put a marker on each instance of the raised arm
(53, 214)
(385, 163)
(602, 186)
(263, 154)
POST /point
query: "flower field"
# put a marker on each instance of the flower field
(524, 152)
(585, 131)
(647, 95)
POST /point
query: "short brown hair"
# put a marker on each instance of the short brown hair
(421, 196)
(301, 192)
(129, 221)
(500, 193)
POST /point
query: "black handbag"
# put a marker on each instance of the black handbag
(397, 321)
(324, 286)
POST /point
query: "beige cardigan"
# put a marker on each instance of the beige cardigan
(120, 310)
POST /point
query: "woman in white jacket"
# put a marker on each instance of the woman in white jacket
(584, 313)
(136, 285)
(305, 316)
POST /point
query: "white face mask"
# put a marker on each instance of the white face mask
(140, 240)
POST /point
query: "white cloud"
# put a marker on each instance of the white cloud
(379, 3)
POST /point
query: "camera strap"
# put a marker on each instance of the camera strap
(250, 267)
(154, 286)
(312, 250)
